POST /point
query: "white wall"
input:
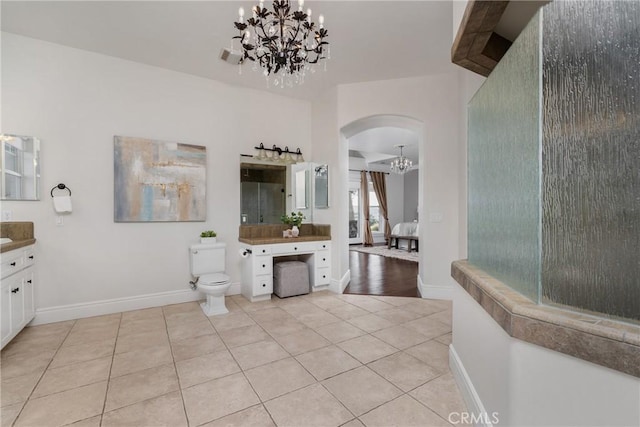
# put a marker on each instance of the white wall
(75, 102)
(432, 100)
(528, 385)
(410, 191)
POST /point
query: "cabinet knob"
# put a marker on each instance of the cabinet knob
(324, 277)
(324, 259)
(15, 291)
(28, 281)
(264, 265)
(295, 249)
(13, 264)
(264, 285)
(30, 256)
(264, 250)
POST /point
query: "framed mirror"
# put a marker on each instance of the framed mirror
(20, 167)
(263, 192)
(321, 186)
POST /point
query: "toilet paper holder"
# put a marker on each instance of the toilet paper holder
(60, 186)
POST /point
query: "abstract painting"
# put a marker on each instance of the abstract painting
(158, 181)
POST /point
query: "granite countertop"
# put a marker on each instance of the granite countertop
(16, 244)
(274, 240)
(20, 232)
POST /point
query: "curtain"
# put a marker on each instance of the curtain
(380, 187)
(367, 237)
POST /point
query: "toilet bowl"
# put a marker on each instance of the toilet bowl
(214, 286)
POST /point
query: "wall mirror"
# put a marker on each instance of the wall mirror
(263, 192)
(321, 186)
(20, 165)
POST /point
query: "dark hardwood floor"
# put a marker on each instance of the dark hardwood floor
(378, 275)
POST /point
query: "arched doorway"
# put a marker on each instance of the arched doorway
(362, 126)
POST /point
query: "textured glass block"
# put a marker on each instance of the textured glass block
(504, 168)
(591, 156)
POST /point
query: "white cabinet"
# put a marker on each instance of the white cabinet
(257, 269)
(16, 292)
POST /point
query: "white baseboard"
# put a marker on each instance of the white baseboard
(117, 305)
(337, 286)
(433, 291)
(468, 391)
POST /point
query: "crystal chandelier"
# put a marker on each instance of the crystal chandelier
(401, 164)
(284, 43)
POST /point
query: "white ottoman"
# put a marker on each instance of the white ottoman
(290, 278)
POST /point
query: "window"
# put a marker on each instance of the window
(376, 221)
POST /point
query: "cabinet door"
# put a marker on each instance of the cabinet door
(28, 297)
(5, 311)
(17, 304)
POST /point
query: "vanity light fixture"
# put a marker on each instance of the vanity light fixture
(279, 155)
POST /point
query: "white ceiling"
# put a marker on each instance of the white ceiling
(370, 40)
(379, 145)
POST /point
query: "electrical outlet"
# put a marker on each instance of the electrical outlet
(435, 217)
(7, 215)
(59, 220)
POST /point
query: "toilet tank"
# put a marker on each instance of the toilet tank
(207, 258)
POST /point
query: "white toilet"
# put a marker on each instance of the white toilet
(207, 263)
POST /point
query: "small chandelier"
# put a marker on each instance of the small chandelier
(401, 164)
(283, 43)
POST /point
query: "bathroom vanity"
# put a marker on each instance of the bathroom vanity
(313, 248)
(17, 306)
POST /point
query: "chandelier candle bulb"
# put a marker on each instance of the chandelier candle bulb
(309, 15)
(300, 4)
(321, 21)
(241, 14)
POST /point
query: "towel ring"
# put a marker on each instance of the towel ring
(61, 186)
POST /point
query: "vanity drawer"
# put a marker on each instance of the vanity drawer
(11, 262)
(262, 250)
(292, 248)
(323, 276)
(263, 265)
(263, 285)
(323, 259)
(324, 245)
(29, 257)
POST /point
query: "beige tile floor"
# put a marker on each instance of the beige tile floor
(315, 360)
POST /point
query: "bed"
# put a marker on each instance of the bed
(404, 232)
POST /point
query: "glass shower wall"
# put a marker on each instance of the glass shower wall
(554, 160)
(591, 156)
(504, 168)
(262, 202)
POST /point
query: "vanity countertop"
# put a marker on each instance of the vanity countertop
(20, 232)
(274, 240)
(16, 244)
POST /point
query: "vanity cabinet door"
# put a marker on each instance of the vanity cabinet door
(5, 310)
(28, 297)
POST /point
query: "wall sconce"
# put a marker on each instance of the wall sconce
(279, 155)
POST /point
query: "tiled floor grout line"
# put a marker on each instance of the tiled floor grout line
(43, 373)
(175, 368)
(113, 356)
(243, 374)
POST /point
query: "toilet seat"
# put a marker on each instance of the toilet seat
(213, 279)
